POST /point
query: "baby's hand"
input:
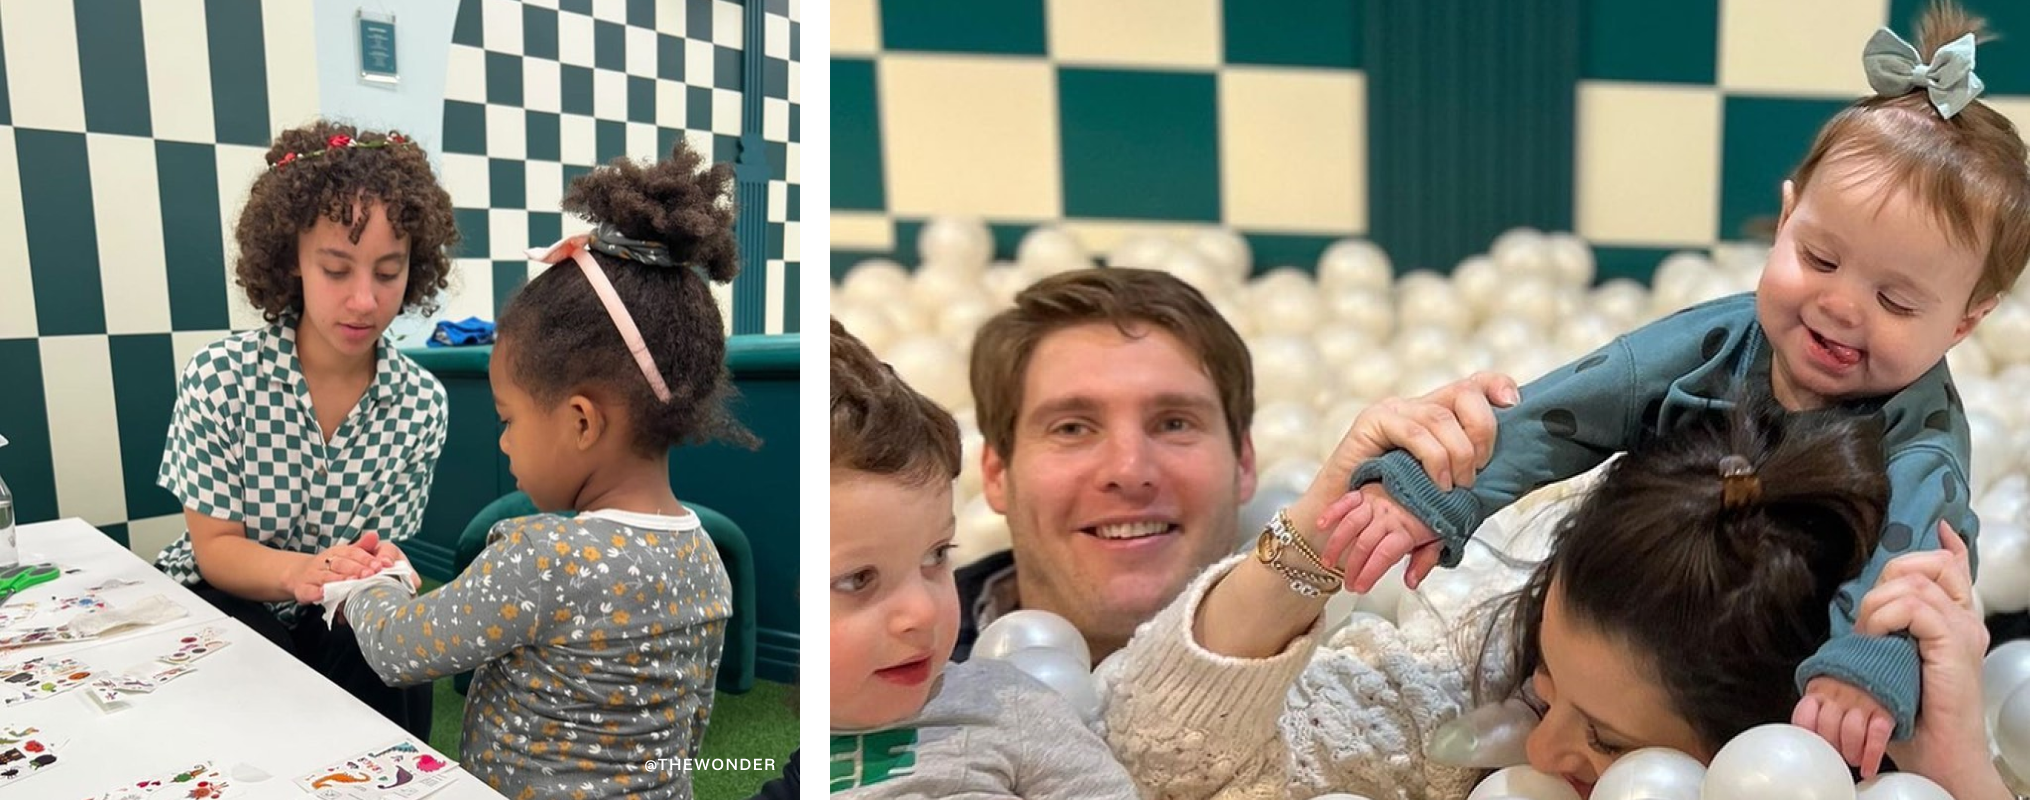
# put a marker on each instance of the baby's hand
(1366, 545)
(1848, 718)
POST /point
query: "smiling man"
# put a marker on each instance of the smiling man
(1115, 405)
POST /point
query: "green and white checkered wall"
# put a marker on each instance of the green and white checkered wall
(130, 132)
(1129, 116)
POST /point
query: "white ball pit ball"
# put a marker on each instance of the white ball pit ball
(1411, 284)
(2005, 500)
(1368, 378)
(1295, 312)
(1284, 429)
(1341, 343)
(1048, 250)
(1281, 280)
(1509, 336)
(1369, 310)
(1621, 300)
(935, 288)
(1237, 314)
(1477, 281)
(971, 445)
(909, 318)
(1530, 365)
(1227, 250)
(2004, 580)
(2006, 669)
(1969, 359)
(1522, 781)
(1001, 282)
(1147, 251)
(962, 242)
(1335, 422)
(1571, 259)
(1421, 380)
(1585, 332)
(962, 318)
(1522, 252)
(1676, 273)
(1990, 463)
(1194, 268)
(1777, 762)
(1470, 357)
(1988, 396)
(1652, 773)
(982, 531)
(1532, 300)
(1030, 629)
(1060, 671)
(2005, 333)
(1438, 306)
(2012, 730)
(1421, 346)
(1900, 786)
(934, 367)
(867, 323)
(876, 280)
(1350, 264)
(1291, 474)
(1288, 368)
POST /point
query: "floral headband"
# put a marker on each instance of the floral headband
(341, 141)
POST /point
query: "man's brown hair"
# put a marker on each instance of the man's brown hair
(1132, 300)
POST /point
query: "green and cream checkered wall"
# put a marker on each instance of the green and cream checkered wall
(130, 131)
(1127, 116)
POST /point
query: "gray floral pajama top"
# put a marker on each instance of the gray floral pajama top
(595, 640)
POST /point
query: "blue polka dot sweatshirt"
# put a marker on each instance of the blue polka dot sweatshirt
(1642, 383)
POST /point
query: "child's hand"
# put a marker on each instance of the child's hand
(1848, 718)
(1367, 544)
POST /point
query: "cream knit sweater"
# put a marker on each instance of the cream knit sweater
(1349, 716)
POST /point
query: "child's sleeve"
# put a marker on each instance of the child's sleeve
(1567, 422)
(1926, 485)
(498, 603)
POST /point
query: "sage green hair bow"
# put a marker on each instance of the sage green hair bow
(1894, 69)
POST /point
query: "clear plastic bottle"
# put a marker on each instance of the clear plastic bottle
(9, 552)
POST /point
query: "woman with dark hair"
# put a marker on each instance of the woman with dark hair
(1677, 599)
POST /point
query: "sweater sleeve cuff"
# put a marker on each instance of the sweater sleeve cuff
(1886, 667)
(1452, 515)
(1227, 698)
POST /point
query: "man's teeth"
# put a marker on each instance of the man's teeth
(1131, 530)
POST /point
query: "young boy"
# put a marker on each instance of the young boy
(905, 722)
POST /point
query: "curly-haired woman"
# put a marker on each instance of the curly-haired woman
(303, 450)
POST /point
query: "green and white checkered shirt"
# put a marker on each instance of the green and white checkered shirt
(244, 446)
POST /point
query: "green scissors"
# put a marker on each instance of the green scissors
(16, 578)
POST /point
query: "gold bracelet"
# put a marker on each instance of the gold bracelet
(1279, 534)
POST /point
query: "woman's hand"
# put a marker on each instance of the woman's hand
(1450, 431)
(1931, 595)
(339, 562)
(1252, 612)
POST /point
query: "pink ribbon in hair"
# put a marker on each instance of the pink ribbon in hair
(574, 248)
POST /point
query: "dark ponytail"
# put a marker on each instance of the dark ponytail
(563, 342)
(1723, 599)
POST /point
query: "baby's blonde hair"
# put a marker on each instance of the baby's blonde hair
(1969, 170)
